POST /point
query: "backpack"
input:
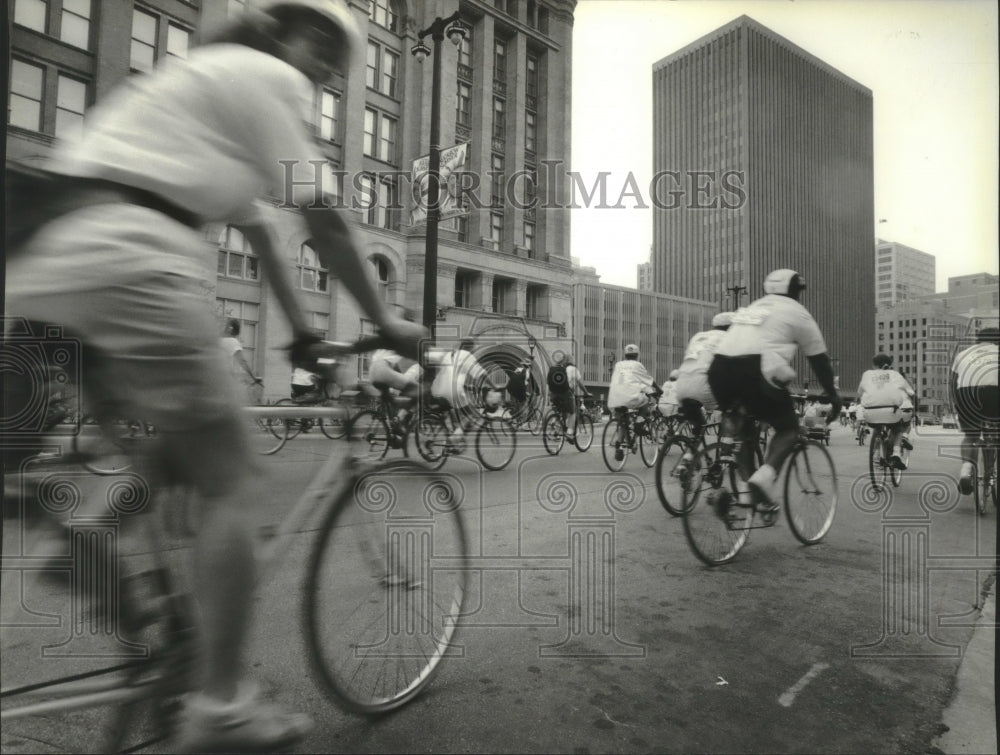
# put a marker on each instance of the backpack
(557, 379)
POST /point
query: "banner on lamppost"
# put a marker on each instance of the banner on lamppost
(452, 161)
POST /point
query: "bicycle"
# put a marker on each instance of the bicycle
(436, 435)
(555, 432)
(385, 584)
(632, 439)
(381, 427)
(721, 511)
(984, 483)
(863, 431)
(332, 427)
(672, 475)
(879, 451)
(528, 416)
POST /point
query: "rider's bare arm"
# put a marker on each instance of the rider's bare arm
(261, 239)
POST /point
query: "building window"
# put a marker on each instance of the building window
(496, 228)
(31, 14)
(529, 132)
(529, 237)
(496, 180)
(71, 100)
(465, 54)
(502, 298)
(177, 41)
(463, 108)
(462, 227)
(380, 269)
(381, 69)
(329, 113)
(379, 200)
(384, 13)
(500, 62)
(236, 258)
(499, 126)
(535, 301)
(312, 275)
(531, 81)
(248, 314)
(25, 106)
(143, 53)
(390, 72)
(380, 136)
(75, 23)
(465, 283)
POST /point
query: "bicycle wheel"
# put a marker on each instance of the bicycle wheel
(430, 436)
(106, 450)
(534, 420)
(292, 426)
(333, 428)
(670, 476)
(553, 433)
(385, 586)
(610, 449)
(877, 463)
(648, 448)
(895, 474)
(496, 442)
(717, 518)
(810, 492)
(268, 435)
(584, 433)
(369, 435)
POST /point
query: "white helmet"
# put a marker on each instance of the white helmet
(631, 349)
(674, 374)
(784, 282)
(722, 320)
(335, 11)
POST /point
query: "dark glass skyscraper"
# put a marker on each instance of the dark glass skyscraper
(762, 158)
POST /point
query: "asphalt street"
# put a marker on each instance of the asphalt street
(627, 643)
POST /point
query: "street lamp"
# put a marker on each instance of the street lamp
(456, 32)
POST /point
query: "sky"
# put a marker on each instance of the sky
(932, 66)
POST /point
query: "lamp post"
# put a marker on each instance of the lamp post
(456, 33)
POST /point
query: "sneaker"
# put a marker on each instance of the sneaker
(245, 725)
(619, 454)
(896, 460)
(761, 485)
(907, 446)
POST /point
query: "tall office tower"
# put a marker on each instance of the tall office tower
(762, 158)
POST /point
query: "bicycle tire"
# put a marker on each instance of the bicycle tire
(553, 433)
(608, 447)
(534, 421)
(876, 460)
(496, 443)
(368, 435)
(292, 426)
(386, 582)
(810, 472)
(716, 522)
(895, 474)
(669, 486)
(648, 448)
(584, 437)
(334, 429)
(430, 436)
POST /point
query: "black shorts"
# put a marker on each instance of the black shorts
(562, 402)
(977, 408)
(738, 381)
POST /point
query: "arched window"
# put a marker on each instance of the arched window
(312, 275)
(236, 258)
(386, 14)
(380, 270)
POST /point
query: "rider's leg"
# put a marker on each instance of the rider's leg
(774, 406)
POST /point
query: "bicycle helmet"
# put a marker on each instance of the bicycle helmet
(784, 282)
(632, 349)
(335, 12)
(722, 320)
(882, 360)
(674, 374)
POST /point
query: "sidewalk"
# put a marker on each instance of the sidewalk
(971, 716)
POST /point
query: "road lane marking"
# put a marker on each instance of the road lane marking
(788, 696)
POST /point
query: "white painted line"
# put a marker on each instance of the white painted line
(788, 696)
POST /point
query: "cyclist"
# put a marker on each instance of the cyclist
(752, 368)
(631, 386)
(521, 386)
(564, 386)
(667, 404)
(196, 141)
(852, 414)
(232, 346)
(973, 385)
(693, 392)
(456, 377)
(887, 400)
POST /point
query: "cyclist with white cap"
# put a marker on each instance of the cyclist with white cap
(693, 392)
(198, 140)
(631, 386)
(752, 367)
(887, 399)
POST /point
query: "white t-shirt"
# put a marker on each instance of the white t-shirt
(977, 365)
(775, 327)
(883, 388)
(303, 377)
(573, 379)
(701, 348)
(457, 369)
(629, 382)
